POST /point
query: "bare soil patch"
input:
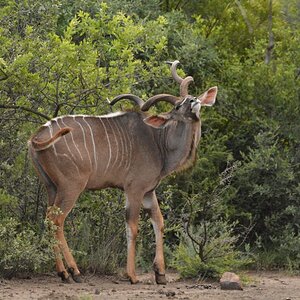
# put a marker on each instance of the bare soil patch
(264, 286)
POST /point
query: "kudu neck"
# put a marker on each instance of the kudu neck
(178, 143)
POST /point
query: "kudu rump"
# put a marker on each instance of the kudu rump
(128, 150)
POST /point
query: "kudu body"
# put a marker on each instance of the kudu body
(128, 150)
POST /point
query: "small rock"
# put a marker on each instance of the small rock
(230, 281)
(207, 286)
(170, 294)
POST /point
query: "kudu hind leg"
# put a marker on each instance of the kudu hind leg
(54, 215)
(151, 206)
(63, 204)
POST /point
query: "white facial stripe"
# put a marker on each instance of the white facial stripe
(183, 101)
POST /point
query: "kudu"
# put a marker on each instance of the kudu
(129, 150)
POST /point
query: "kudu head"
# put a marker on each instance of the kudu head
(186, 107)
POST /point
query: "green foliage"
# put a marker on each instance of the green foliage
(22, 250)
(284, 256)
(270, 190)
(96, 231)
(67, 57)
(208, 239)
(211, 258)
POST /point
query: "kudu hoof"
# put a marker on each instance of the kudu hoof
(76, 277)
(134, 280)
(160, 278)
(64, 277)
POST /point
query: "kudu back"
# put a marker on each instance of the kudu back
(130, 150)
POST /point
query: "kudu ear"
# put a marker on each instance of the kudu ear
(155, 121)
(209, 97)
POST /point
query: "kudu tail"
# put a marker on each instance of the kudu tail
(42, 145)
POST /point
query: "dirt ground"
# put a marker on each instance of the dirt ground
(264, 286)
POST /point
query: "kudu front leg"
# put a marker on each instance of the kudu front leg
(133, 206)
(151, 206)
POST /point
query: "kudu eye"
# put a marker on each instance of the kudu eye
(192, 100)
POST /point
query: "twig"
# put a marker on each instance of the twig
(244, 15)
(25, 109)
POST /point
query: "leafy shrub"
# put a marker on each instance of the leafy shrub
(270, 192)
(95, 231)
(22, 250)
(284, 255)
(208, 250)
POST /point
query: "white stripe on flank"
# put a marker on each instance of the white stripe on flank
(124, 146)
(84, 140)
(72, 139)
(120, 135)
(109, 146)
(129, 156)
(47, 124)
(51, 134)
(93, 142)
(65, 137)
(71, 160)
(117, 144)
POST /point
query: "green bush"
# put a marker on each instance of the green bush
(208, 250)
(22, 250)
(95, 231)
(285, 254)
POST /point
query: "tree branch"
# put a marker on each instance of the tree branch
(16, 107)
(4, 77)
(244, 15)
(271, 43)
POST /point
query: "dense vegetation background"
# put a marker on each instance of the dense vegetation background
(238, 207)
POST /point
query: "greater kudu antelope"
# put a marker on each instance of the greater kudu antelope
(128, 150)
